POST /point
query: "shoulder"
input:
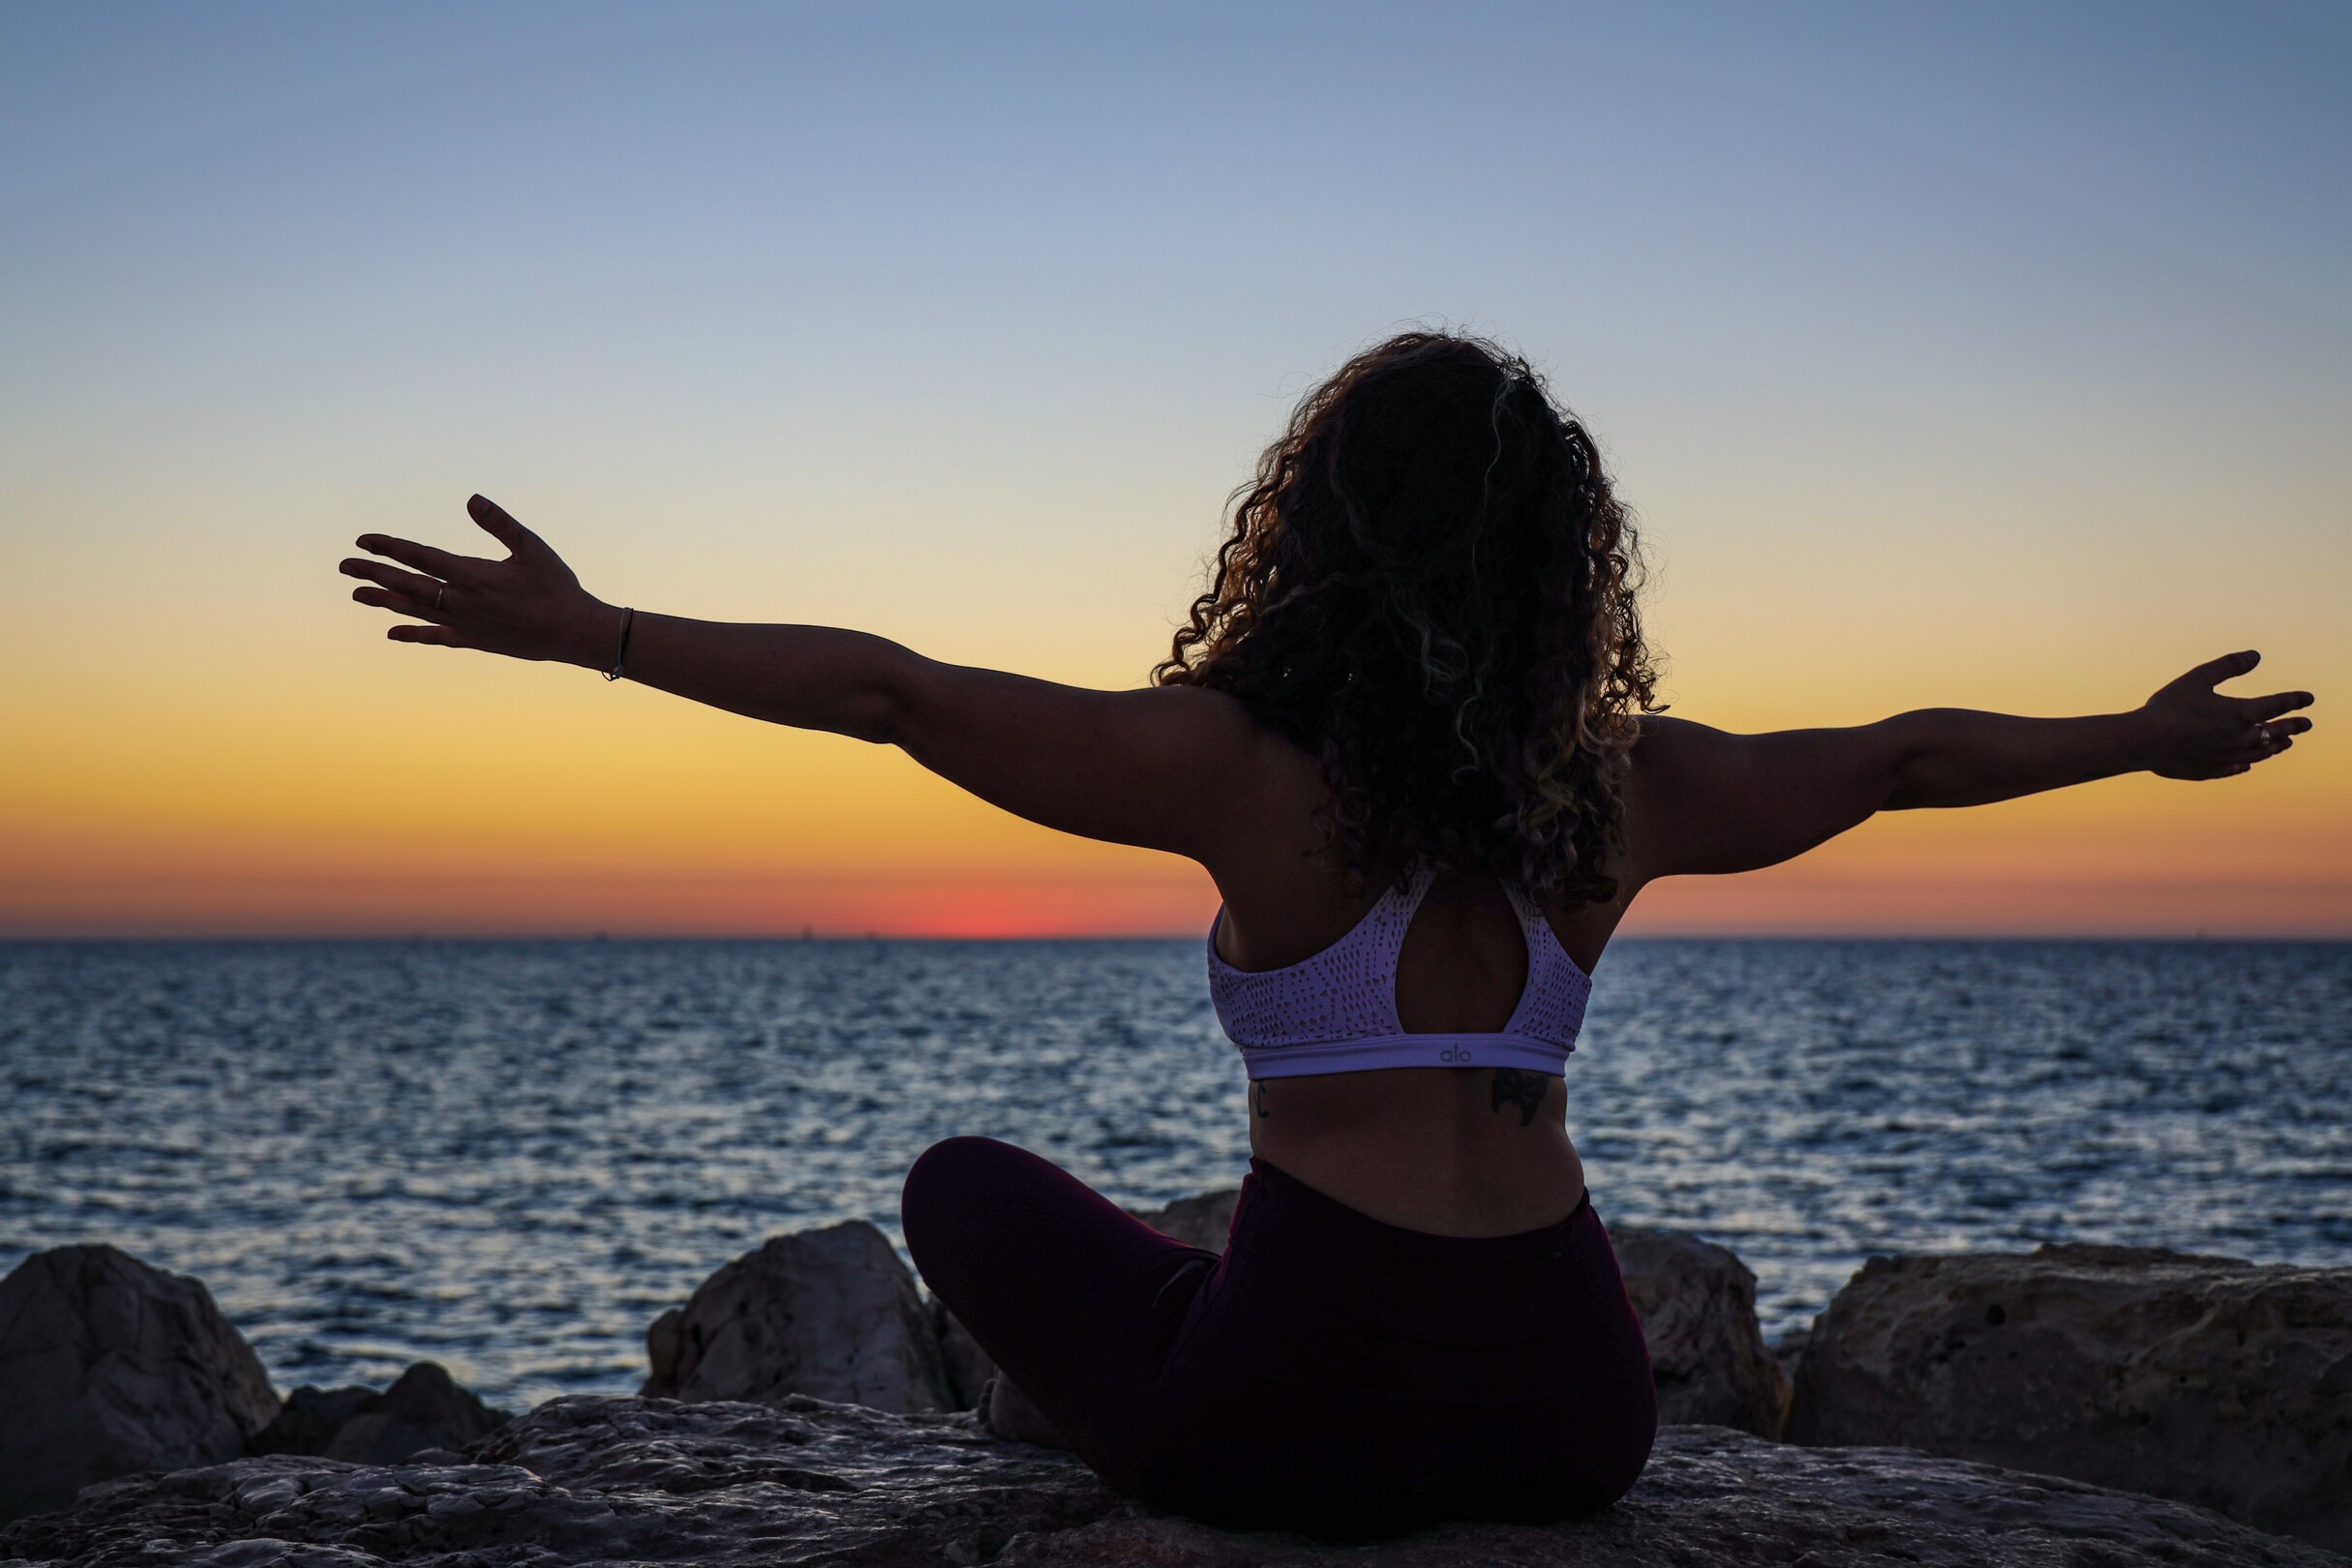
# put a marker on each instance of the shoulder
(1264, 793)
(1219, 739)
(1665, 741)
(1668, 779)
(1669, 752)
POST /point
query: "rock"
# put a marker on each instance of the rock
(109, 1367)
(1697, 1303)
(1790, 1351)
(1200, 1221)
(2205, 1379)
(831, 1314)
(665, 1345)
(421, 1412)
(583, 1481)
(311, 1417)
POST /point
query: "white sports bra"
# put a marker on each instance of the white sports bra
(1337, 1012)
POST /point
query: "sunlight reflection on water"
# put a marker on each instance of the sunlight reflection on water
(508, 1157)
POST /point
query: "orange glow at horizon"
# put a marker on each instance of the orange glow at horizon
(724, 828)
(380, 791)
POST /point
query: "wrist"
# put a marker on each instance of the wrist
(591, 634)
(2137, 739)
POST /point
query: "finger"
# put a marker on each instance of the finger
(2271, 707)
(494, 521)
(2228, 667)
(427, 589)
(440, 564)
(2278, 729)
(436, 635)
(401, 604)
(2277, 737)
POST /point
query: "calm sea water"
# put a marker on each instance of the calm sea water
(509, 1157)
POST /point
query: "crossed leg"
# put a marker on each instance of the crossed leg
(1075, 1300)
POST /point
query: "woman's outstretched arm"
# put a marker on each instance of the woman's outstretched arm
(1127, 767)
(1701, 800)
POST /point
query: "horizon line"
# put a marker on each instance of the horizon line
(815, 938)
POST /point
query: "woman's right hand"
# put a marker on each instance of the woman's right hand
(2195, 732)
(529, 606)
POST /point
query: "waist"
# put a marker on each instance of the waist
(1461, 1291)
(1452, 1152)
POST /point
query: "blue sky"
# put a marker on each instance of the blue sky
(1987, 354)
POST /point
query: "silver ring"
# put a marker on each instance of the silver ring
(439, 597)
(2262, 735)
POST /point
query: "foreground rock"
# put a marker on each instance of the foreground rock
(2206, 1379)
(599, 1481)
(831, 1314)
(1697, 1303)
(108, 1366)
(423, 1409)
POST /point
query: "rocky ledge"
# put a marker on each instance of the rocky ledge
(651, 1480)
(2212, 1383)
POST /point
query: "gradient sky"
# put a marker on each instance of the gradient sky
(1997, 356)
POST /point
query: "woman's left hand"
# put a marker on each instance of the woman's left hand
(529, 606)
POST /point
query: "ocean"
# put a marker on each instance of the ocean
(508, 1157)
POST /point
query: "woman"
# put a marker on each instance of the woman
(1409, 732)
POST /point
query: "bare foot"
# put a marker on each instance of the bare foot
(1007, 1411)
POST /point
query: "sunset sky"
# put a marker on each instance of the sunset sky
(1987, 357)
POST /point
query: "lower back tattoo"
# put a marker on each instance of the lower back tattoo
(1514, 1086)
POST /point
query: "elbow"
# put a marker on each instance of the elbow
(874, 691)
(1912, 773)
(877, 714)
(887, 707)
(876, 721)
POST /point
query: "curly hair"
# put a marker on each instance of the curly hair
(1431, 586)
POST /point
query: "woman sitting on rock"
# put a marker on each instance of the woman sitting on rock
(1409, 732)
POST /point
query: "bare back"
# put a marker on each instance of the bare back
(1455, 1151)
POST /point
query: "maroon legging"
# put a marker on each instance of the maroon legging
(1329, 1373)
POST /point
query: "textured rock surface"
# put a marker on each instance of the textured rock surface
(2206, 1379)
(604, 1481)
(107, 1367)
(1697, 1303)
(422, 1409)
(831, 1314)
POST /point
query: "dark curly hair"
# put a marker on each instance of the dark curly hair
(1431, 586)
